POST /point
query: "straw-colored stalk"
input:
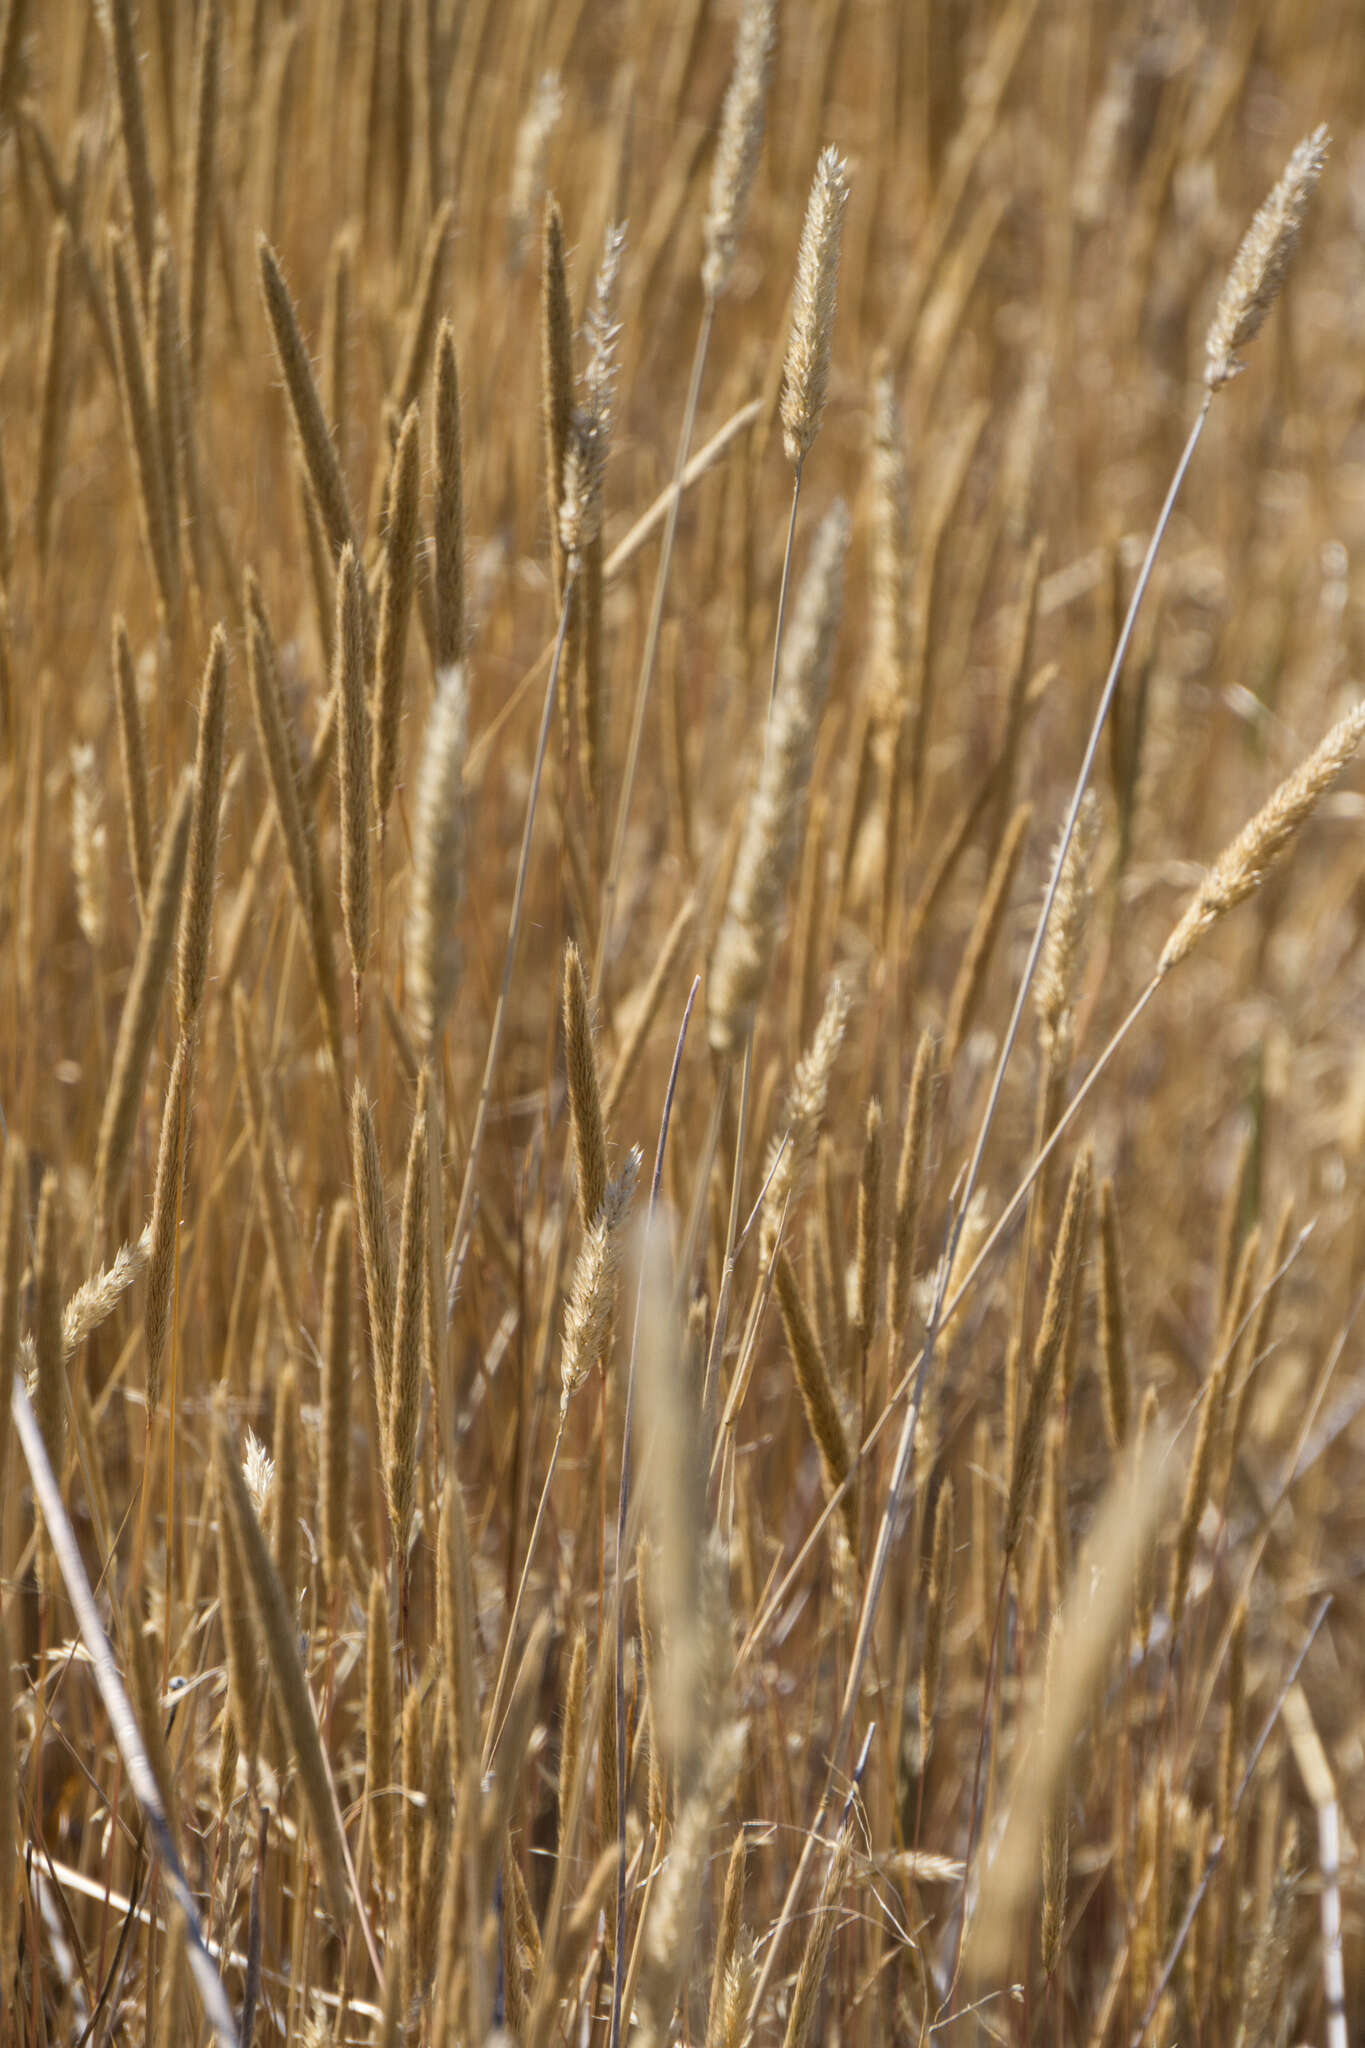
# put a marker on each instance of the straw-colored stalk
(437, 1830)
(336, 335)
(198, 181)
(1144, 1598)
(164, 351)
(1240, 1206)
(49, 1390)
(556, 348)
(286, 1504)
(140, 424)
(376, 1252)
(53, 385)
(1018, 669)
(246, 1673)
(1260, 1335)
(9, 1808)
(137, 1024)
(871, 1246)
(353, 756)
(334, 1468)
(132, 754)
(936, 1615)
(395, 609)
(170, 1181)
(1028, 1445)
(817, 1394)
(1207, 1443)
(1113, 1323)
(1056, 1835)
(413, 1809)
(440, 857)
(13, 1252)
(585, 1098)
(607, 1810)
(405, 1405)
(455, 1602)
(910, 1177)
(379, 1804)
(196, 919)
(448, 524)
(6, 667)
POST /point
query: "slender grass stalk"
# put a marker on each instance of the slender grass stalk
(464, 1207)
(650, 654)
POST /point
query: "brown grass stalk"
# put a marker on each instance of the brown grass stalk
(137, 1024)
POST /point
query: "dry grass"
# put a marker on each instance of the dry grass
(985, 1570)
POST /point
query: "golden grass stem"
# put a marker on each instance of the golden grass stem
(137, 1024)
(650, 654)
(464, 1207)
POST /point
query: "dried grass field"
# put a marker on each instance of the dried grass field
(682, 1032)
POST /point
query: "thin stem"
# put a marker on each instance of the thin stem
(462, 1213)
(786, 582)
(649, 659)
(717, 1347)
(622, 1510)
(491, 1739)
